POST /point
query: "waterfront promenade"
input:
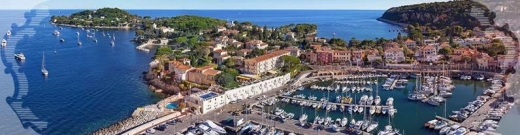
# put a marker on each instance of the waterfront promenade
(473, 121)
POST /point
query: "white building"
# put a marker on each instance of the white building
(206, 101)
(256, 44)
(394, 55)
(264, 63)
(257, 88)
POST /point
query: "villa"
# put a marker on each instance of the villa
(206, 101)
(221, 28)
(395, 55)
(410, 43)
(256, 44)
(180, 70)
(203, 75)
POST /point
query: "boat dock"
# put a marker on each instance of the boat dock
(445, 119)
(341, 104)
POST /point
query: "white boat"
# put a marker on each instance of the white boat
(215, 127)
(4, 42)
(44, 71)
(391, 110)
(444, 130)
(356, 108)
(372, 110)
(112, 43)
(335, 128)
(377, 100)
(344, 121)
(19, 56)
(303, 118)
(360, 110)
(390, 101)
(62, 40)
(8, 33)
(372, 126)
(350, 109)
(56, 33)
(370, 100)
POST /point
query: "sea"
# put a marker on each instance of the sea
(95, 85)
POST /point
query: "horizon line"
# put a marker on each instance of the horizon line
(176, 9)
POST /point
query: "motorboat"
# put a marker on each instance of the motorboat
(44, 71)
(19, 56)
(8, 33)
(444, 130)
(344, 122)
(372, 126)
(372, 110)
(335, 128)
(62, 40)
(390, 101)
(377, 100)
(4, 42)
(56, 33)
(215, 127)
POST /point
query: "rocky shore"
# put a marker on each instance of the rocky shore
(404, 25)
(131, 122)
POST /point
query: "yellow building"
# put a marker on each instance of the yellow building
(264, 63)
(203, 75)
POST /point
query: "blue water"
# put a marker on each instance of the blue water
(95, 85)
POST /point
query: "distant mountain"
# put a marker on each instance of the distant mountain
(467, 14)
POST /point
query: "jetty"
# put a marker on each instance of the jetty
(332, 103)
(445, 119)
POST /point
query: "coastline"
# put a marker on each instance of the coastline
(403, 25)
(97, 27)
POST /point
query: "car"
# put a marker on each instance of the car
(151, 131)
(171, 122)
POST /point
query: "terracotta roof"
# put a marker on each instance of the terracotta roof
(218, 51)
(221, 27)
(180, 65)
(267, 56)
(246, 50)
(394, 49)
(428, 47)
(408, 41)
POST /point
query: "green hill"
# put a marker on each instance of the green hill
(440, 14)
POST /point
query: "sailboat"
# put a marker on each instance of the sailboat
(79, 42)
(44, 71)
(112, 42)
(4, 42)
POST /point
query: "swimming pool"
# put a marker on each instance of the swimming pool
(171, 106)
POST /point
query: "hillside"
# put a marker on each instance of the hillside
(440, 14)
(99, 17)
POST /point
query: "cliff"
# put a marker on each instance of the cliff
(467, 14)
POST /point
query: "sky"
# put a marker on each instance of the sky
(209, 4)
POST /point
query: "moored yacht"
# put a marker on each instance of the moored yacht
(19, 56)
(4, 42)
(8, 33)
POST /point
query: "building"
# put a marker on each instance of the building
(221, 28)
(244, 52)
(206, 101)
(395, 55)
(341, 56)
(373, 55)
(203, 75)
(428, 53)
(290, 36)
(257, 88)
(429, 41)
(179, 69)
(237, 44)
(357, 56)
(483, 60)
(410, 43)
(167, 30)
(220, 56)
(391, 45)
(264, 63)
(295, 51)
(256, 44)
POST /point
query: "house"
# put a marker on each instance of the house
(410, 43)
(229, 32)
(237, 44)
(391, 45)
(220, 56)
(395, 55)
(244, 52)
(428, 53)
(483, 60)
(203, 75)
(357, 56)
(322, 40)
(323, 56)
(429, 41)
(239, 60)
(167, 29)
(373, 55)
(459, 54)
(221, 28)
(179, 69)
(290, 36)
(256, 44)
(264, 63)
(295, 51)
(222, 40)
